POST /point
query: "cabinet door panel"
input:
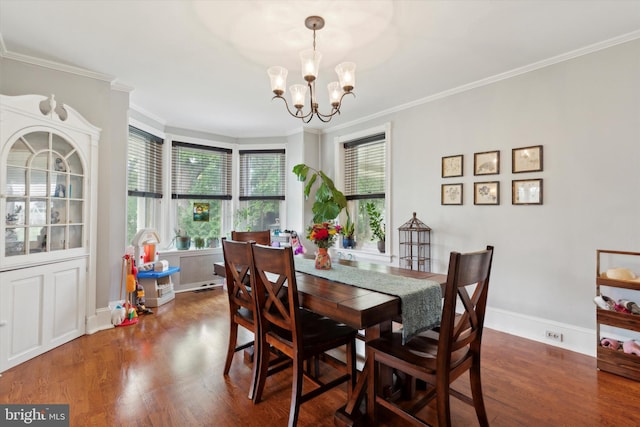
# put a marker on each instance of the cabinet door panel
(40, 308)
(21, 313)
(68, 298)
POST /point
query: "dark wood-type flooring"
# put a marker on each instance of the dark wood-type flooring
(167, 371)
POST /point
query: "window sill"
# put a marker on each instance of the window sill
(361, 255)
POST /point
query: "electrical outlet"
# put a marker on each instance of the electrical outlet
(553, 335)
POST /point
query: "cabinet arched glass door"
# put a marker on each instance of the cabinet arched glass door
(44, 195)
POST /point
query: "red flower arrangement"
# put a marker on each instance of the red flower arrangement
(323, 235)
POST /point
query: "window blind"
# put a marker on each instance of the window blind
(365, 167)
(144, 164)
(200, 172)
(262, 174)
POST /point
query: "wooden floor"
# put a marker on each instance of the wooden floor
(167, 371)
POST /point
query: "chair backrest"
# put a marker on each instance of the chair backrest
(273, 276)
(260, 237)
(237, 264)
(461, 333)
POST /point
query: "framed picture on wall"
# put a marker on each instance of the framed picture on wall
(486, 163)
(486, 193)
(526, 192)
(201, 211)
(526, 159)
(452, 166)
(451, 194)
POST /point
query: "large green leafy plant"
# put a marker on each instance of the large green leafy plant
(329, 201)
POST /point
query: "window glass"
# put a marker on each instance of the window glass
(365, 182)
(201, 189)
(262, 189)
(144, 181)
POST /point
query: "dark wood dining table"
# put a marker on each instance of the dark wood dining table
(366, 310)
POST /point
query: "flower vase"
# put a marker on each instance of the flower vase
(323, 260)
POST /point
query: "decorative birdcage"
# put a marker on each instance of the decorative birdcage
(415, 245)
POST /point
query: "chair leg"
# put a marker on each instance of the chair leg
(296, 392)
(443, 404)
(476, 393)
(233, 338)
(370, 366)
(351, 368)
(262, 360)
(254, 369)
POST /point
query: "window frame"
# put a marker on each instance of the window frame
(147, 198)
(237, 201)
(339, 155)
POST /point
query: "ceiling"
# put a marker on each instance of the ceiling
(201, 65)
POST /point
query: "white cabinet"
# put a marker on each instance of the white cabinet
(40, 308)
(48, 158)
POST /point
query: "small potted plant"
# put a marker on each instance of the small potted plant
(348, 233)
(213, 241)
(183, 241)
(199, 242)
(376, 224)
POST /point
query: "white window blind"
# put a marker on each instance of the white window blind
(365, 169)
(262, 174)
(144, 164)
(200, 172)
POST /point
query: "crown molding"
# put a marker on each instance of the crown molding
(148, 114)
(119, 86)
(52, 64)
(496, 78)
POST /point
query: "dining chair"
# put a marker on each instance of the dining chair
(439, 356)
(237, 263)
(260, 237)
(293, 331)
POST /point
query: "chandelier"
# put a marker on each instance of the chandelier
(310, 65)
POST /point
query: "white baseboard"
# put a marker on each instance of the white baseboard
(580, 340)
(99, 322)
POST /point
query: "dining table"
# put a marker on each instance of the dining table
(370, 311)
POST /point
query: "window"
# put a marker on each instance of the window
(365, 180)
(201, 177)
(262, 189)
(144, 181)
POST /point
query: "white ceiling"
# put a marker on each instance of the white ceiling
(201, 65)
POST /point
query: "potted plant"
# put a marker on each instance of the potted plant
(213, 241)
(348, 233)
(183, 241)
(199, 242)
(376, 224)
(329, 201)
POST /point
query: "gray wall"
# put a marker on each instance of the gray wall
(586, 114)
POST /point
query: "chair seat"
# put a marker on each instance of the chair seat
(318, 332)
(421, 351)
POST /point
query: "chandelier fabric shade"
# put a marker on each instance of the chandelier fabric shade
(310, 66)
